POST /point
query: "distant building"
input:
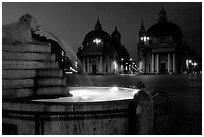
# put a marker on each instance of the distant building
(102, 53)
(161, 48)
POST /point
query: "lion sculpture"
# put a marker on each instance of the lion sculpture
(20, 31)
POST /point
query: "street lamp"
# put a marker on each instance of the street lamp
(195, 64)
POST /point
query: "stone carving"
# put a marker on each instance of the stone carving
(20, 31)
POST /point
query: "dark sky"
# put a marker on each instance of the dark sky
(72, 21)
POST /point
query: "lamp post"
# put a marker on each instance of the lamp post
(122, 65)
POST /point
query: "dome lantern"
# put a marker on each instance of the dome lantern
(98, 25)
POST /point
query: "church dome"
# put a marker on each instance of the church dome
(97, 33)
(164, 28)
(116, 32)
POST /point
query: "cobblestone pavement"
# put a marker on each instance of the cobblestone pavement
(184, 96)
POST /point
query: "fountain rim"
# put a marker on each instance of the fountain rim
(30, 100)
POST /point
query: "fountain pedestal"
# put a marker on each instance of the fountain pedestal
(30, 70)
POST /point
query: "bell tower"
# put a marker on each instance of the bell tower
(142, 32)
(116, 36)
(162, 16)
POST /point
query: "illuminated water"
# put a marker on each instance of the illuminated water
(95, 94)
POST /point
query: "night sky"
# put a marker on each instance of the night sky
(72, 21)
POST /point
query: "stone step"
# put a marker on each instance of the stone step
(27, 92)
(23, 74)
(24, 83)
(13, 65)
(53, 91)
(26, 48)
(50, 73)
(13, 93)
(51, 82)
(28, 56)
(19, 83)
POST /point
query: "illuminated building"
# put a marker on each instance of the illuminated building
(161, 48)
(102, 53)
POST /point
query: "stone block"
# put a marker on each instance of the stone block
(51, 82)
(26, 48)
(13, 65)
(17, 83)
(22, 74)
(18, 74)
(50, 73)
(144, 110)
(13, 93)
(27, 56)
(53, 91)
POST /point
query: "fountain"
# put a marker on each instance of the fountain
(36, 99)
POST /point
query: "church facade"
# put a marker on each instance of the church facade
(161, 49)
(102, 53)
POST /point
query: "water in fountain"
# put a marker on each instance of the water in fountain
(95, 94)
(65, 46)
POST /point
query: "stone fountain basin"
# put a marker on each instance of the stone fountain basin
(91, 110)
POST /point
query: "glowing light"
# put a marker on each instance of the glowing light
(114, 89)
(115, 64)
(85, 97)
(141, 38)
(122, 59)
(135, 91)
(97, 41)
(73, 69)
(195, 64)
(95, 94)
(84, 92)
(190, 61)
(130, 59)
(147, 38)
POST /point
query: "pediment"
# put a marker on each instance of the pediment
(164, 44)
(94, 48)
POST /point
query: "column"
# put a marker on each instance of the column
(83, 64)
(100, 64)
(157, 69)
(88, 71)
(169, 61)
(174, 63)
(152, 62)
